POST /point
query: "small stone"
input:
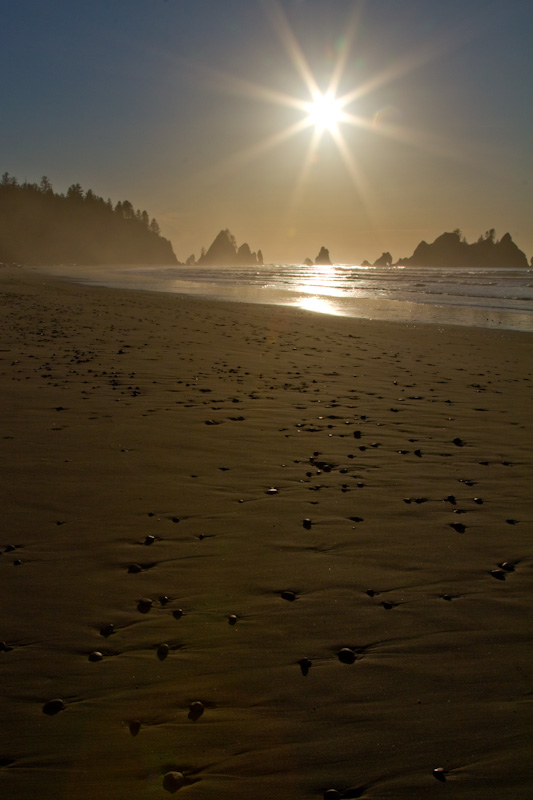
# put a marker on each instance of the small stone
(288, 595)
(451, 499)
(53, 707)
(346, 655)
(305, 665)
(107, 630)
(149, 539)
(458, 442)
(96, 655)
(499, 574)
(508, 566)
(144, 605)
(163, 651)
(332, 794)
(172, 781)
(387, 605)
(271, 491)
(478, 500)
(134, 726)
(134, 569)
(307, 524)
(458, 526)
(17, 562)
(232, 619)
(196, 710)
(177, 613)
(440, 774)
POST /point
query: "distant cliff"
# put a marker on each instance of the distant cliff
(224, 252)
(452, 250)
(38, 226)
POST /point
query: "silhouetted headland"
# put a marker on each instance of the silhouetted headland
(38, 226)
(452, 250)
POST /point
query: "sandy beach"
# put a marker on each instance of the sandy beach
(277, 552)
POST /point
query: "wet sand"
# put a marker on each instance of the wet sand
(277, 552)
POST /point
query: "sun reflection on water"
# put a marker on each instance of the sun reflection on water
(321, 305)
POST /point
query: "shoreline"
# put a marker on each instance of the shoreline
(456, 310)
(143, 436)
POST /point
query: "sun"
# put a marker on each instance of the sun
(325, 111)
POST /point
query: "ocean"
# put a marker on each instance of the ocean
(486, 298)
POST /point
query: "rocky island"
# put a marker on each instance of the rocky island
(225, 252)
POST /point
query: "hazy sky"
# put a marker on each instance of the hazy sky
(192, 109)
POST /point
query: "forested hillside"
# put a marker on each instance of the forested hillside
(39, 226)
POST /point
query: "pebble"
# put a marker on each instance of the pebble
(107, 630)
(271, 491)
(196, 710)
(5, 648)
(177, 613)
(499, 574)
(172, 781)
(134, 569)
(144, 605)
(232, 619)
(149, 539)
(508, 566)
(288, 595)
(440, 774)
(53, 707)
(305, 665)
(346, 655)
(458, 526)
(163, 651)
(96, 655)
(458, 442)
(332, 794)
(307, 524)
(478, 500)
(164, 599)
(135, 727)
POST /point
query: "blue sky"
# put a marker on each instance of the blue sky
(180, 107)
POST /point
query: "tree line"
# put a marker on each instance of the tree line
(40, 226)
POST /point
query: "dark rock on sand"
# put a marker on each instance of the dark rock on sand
(458, 526)
(508, 566)
(172, 781)
(144, 605)
(149, 539)
(53, 707)
(288, 595)
(134, 726)
(499, 574)
(96, 655)
(133, 569)
(307, 524)
(163, 651)
(177, 613)
(107, 630)
(346, 655)
(305, 665)
(440, 774)
(332, 794)
(232, 619)
(196, 710)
